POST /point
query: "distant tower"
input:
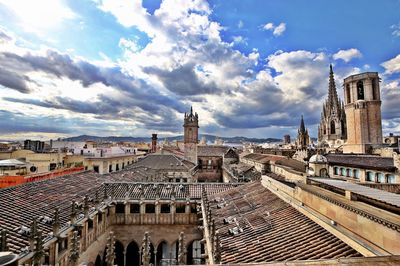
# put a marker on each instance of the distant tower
(363, 112)
(286, 139)
(332, 126)
(303, 139)
(191, 135)
(154, 143)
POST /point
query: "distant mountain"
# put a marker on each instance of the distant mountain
(209, 138)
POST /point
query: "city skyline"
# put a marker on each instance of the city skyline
(248, 68)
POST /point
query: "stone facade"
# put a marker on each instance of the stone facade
(332, 127)
(363, 112)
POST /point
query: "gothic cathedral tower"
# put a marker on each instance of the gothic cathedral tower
(363, 112)
(332, 126)
(191, 135)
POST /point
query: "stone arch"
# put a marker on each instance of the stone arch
(132, 254)
(194, 251)
(174, 250)
(323, 172)
(98, 261)
(360, 90)
(119, 254)
(163, 255)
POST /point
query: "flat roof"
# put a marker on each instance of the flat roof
(372, 193)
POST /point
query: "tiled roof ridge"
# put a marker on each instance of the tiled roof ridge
(356, 210)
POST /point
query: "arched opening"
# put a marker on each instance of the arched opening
(333, 127)
(119, 254)
(163, 256)
(98, 261)
(174, 251)
(196, 248)
(323, 172)
(360, 90)
(343, 128)
(152, 254)
(348, 96)
(132, 254)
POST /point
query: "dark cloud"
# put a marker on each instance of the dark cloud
(13, 80)
(183, 81)
(88, 74)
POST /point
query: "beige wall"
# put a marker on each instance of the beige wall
(104, 163)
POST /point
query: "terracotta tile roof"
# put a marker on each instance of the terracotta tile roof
(272, 230)
(292, 163)
(164, 162)
(211, 150)
(263, 158)
(362, 161)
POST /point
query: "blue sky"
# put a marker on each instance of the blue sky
(130, 68)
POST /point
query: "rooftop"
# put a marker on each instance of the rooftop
(164, 162)
(211, 150)
(254, 225)
(374, 162)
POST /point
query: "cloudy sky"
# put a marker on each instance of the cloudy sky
(132, 67)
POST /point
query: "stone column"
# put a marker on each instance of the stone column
(157, 211)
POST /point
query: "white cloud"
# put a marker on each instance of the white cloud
(240, 24)
(38, 16)
(280, 29)
(269, 26)
(276, 30)
(347, 55)
(392, 66)
(396, 29)
(239, 39)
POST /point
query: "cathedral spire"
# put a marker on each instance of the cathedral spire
(332, 93)
(302, 126)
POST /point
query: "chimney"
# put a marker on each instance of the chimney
(154, 143)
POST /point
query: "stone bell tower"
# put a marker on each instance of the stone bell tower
(191, 135)
(363, 112)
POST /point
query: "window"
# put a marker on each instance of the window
(390, 179)
(110, 168)
(180, 208)
(333, 127)
(165, 208)
(360, 90)
(193, 208)
(343, 171)
(90, 224)
(120, 208)
(96, 168)
(374, 90)
(349, 173)
(381, 178)
(135, 208)
(336, 170)
(150, 208)
(356, 173)
(370, 177)
(117, 167)
(62, 244)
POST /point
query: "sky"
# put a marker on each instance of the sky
(133, 67)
